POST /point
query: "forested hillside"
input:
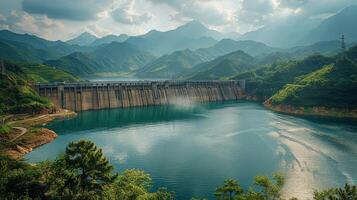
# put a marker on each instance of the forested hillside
(16, 93)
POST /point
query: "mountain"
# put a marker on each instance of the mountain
(195, 29)
(192, 35)
(178, 62)
(109, 39)
(17, 96)
(20, 52)
(168, 66)
(264, 82)
(330, 86)
(226, 46)
(123, 55)
(113, 57)
(279, 33)
(328, 91)
(327, 48)
(50, 49)
(77, 63)
(333, 27)
(222, 67)
(83, 39)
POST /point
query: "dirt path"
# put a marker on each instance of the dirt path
(23, 132)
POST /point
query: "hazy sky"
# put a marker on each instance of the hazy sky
(63, 19)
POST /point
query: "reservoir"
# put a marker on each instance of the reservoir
(191, 149)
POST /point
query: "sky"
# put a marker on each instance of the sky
(65, 19)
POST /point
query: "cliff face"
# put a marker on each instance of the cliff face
(80, 98)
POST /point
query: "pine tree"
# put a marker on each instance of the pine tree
(89, 167)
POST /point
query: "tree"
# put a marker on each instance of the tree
(135, 184)
(349, 192)
(19, 180)
(230, 189)
(270, 189)
(81, 173)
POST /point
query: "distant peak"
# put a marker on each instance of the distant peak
(87, 34)
(194, 23)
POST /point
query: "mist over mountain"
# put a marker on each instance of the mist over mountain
(299, 30)
(83, 39)
(222, 67)
(31, 48)
(169, 66)
(109, 39)
(192, 35)
(333, 27)
(114, 57)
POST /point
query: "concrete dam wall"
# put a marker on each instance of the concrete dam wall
(100, 95)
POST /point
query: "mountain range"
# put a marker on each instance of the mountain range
(83, 39)
(114, 57)
(169, 54)
(297, 31)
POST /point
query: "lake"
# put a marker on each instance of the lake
(192, 149)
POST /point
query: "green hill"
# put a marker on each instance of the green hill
(76, 63)
(222, 67)
(264, 82)
(16, 96)
(168, 66)
(329, 91)
(41, 73)
(21, 52)
(113, 57)
(226, 46)
(334, 85)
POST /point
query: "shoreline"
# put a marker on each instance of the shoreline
(17, 143)
(317, 111)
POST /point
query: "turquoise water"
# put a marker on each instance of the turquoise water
(192, 149)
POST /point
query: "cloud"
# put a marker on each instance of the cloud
(293, 3)
(210, 12)
(78, 10)
(126, 14)
(23, 22)
(256, 12)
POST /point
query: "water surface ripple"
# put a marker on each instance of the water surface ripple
(192, 149)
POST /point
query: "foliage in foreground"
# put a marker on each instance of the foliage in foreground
(82, 172)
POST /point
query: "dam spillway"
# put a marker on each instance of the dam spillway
(103, 95)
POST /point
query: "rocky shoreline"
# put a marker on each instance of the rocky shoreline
(317, 111)
(32, 137)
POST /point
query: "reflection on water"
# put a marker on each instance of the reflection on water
(192, 149)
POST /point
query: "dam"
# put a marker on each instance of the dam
(83, 96)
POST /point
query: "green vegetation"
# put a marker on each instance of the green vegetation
(331, 86)
(41, 73)
(349, 192)
(171, 65)
(266, 81)
(222, 67)
(5, 129)
(16, 93)
(82, 172)
(265, 189)
(113, 57)
(16, 96)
